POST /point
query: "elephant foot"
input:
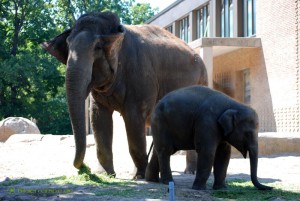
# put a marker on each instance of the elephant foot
(199, 187)
(166, 181)
(139, 175)
(113, 175)
(219, 187)
(152, 177)
(189, 171)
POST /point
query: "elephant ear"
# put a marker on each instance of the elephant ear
(227, 121)
(112, 46)
(58, 46)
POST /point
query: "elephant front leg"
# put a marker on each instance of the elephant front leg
(221, 164)
(135, 128)
(102, 126)
(204, 165)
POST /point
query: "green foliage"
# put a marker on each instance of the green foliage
(127, 10)
(32, 81)
(141, 13)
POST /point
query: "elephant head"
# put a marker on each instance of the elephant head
(240, 127)
(89, 49)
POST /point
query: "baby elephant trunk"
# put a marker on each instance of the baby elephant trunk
(253, 165)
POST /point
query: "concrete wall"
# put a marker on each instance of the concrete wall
(227, 73)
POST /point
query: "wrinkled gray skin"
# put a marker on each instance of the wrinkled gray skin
(208, 121)
(126, 69)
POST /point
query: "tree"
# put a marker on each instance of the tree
(141, 12)
(127, 10)
(29, 79)
(32, 81)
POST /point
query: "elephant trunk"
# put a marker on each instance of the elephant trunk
(78, 79)
(253, 154)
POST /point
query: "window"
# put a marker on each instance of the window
(246, 86)
(203, 23)
(249, 17)
(184, 29)
(226, 18)
(170, 29)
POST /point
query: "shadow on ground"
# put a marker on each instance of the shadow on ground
(102, 187)
(81, 187)
(239, 187)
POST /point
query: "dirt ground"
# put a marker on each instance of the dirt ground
(42, 157)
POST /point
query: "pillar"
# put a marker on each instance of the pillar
(206, 54)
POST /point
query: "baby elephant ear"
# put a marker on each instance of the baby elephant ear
(227, 121)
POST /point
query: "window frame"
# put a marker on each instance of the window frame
(203, 21)
(246, 86)
(226, 18)
(169, 28)
(184, 29)
(249, 18)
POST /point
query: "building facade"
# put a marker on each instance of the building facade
(251, 49)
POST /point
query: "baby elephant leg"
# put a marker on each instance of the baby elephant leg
(164, 166)
(221, 164)
(152, 171)
(204, 166)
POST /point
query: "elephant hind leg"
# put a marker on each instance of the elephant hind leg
(222, 158)
(191, 162)
(152, 171)
(165, 167)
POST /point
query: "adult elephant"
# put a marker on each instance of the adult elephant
(127, 69)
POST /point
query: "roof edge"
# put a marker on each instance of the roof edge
(163, 11)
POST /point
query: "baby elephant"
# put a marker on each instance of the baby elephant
(208, 121)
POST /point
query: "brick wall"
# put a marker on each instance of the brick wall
(274, 68)
(278, 28)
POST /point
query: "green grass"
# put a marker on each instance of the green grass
(108, 185)
(244, 191)
(105, 185)
(84, 177)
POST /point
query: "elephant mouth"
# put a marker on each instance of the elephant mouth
(106, 87)
(243, 150)
(244, 153)
(103, 88)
